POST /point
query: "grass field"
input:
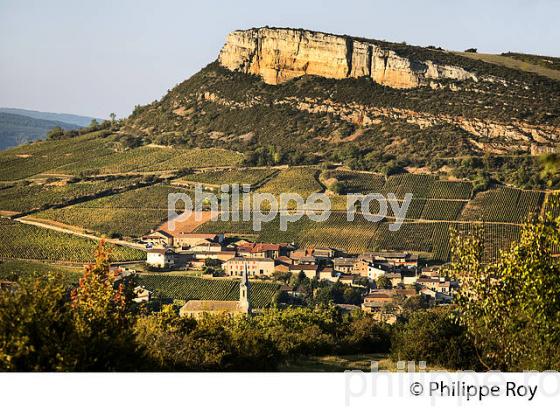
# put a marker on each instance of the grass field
(29, 242)
(341, 363)
(514, 63)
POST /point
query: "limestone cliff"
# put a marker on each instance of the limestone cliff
(278, 55)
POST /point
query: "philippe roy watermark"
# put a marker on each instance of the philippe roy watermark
(236, 203)
(414, 381)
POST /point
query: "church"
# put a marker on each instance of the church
(198, 308)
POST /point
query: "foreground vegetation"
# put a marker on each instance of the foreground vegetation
(506, 318)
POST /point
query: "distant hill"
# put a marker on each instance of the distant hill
(79, 120)
(17, 129)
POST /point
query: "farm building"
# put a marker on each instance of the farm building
(160, 258)
(254, 266)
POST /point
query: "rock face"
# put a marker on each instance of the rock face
(278, 55)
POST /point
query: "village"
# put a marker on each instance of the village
(385, 280)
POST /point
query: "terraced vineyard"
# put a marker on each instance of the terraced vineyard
(417, 184)
(118, 162)
(15, 269)
(30, 242)
(503, 205)
(298, 180)
(251, 176)
(496, 237)
(356, 182)
(441, 210)
(28, 160)
(151, 197)
(552, 205)
(192, 288)
(108, 221)
(24, 196)
(132, 213)
(450, 190)
(197, 158)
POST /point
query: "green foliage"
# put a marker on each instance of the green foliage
(43, 329)
(355, 182)
(511, 307)
(434, 336)
(35, 326)
(383, 283)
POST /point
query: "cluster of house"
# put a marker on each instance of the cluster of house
(192, 250)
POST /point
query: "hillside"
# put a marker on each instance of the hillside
(16, 129)
(297, 111)
(293, 96)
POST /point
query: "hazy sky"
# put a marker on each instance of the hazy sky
(97, 57)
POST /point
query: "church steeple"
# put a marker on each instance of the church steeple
(244, 292)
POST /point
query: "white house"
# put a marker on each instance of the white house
(376, 270)
(160, 258)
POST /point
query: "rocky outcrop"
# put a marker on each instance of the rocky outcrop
(278, 55)
(488, 136)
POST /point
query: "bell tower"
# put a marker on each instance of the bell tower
(244, 292)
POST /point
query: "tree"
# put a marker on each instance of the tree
(102, 317)
(55, 133)
(383, 283)
(113, 117)
(511, 307)
(35, 326)
(366, 335)
(434, 336)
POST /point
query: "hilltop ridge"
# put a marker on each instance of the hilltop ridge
(280, 54)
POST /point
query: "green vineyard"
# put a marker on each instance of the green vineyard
(16, 269)
(441, 210)
(234, 176)
(28, 160)
(302, 181)
(503, 205)
(192, 288)
(41, 196)
(356, 182)
(30, 242)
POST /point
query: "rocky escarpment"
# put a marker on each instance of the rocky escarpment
(278, 55)
(487, 136)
